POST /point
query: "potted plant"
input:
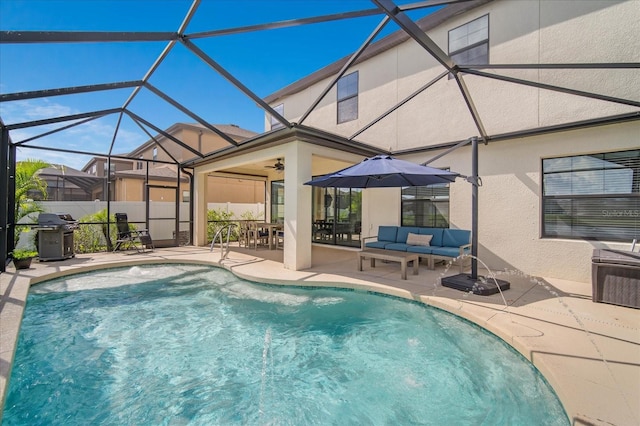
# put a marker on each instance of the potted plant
(22, 257)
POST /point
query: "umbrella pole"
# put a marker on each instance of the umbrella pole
(474, 208)
(462, 281)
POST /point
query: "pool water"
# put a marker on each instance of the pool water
(189, 344)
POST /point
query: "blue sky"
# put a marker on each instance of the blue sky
(264, 61)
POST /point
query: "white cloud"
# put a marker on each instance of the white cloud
(93, 136)
(30, 110)
(53, 157)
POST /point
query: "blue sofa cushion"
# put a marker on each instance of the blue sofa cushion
(455, 237)
(397, 246)
(446, 251)
(403, 233)
(377, 244)
(420, 249)
(388, 233)
(437, 235)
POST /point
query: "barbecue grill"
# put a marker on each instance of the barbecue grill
(55, 236)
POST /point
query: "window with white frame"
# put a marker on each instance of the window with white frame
(109, 170)
(348, 98)
(469, 43)
(140, 164)
(155, 153)
(275, 124)
(592, 196)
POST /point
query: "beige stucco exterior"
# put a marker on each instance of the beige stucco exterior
(521, 32)
(303, 161)
(131, 186)
(199, 138)
(510, 201)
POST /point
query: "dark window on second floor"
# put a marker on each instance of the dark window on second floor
(275, 124)
(469, 43)
(348, 98)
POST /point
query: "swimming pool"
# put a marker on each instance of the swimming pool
(188, 344)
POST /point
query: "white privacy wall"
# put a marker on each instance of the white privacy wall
(160, 229)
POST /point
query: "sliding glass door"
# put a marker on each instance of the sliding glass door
(337, 216)
(277, 201)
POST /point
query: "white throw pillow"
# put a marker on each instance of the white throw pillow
(419, 239)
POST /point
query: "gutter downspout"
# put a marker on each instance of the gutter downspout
(191, 199)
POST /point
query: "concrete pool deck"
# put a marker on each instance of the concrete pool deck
(588, 352)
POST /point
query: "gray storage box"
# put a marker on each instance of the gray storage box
(615, 277)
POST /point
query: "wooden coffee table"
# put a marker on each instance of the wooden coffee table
(390, 255)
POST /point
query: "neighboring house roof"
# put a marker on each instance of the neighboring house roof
(283, 135)
(114, 159)
(232, 130)
(164, 173)
(81, 179)
(427, 23)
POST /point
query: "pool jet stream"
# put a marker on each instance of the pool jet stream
(499, 287)
(480, 285)
(474, 283)
(266, 355)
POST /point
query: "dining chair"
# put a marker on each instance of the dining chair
(243, 234)
(257, 236)
(279, 239)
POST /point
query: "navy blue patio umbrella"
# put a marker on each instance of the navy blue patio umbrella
(384, 171)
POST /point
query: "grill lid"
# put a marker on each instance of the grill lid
(57, 220)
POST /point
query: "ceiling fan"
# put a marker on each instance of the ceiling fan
(279, 166)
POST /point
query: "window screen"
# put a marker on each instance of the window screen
(348, 98)
(595, 196)
(275, 124)
(469, 43)
(426, 206)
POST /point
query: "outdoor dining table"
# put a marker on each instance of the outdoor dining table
(271, 228)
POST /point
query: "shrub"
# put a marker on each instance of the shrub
(23, 254)
(91, 235)
(216, 220)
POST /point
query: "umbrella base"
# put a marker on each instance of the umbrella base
(479, 285)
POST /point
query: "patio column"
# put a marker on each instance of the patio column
(200, 209)
(297, 207)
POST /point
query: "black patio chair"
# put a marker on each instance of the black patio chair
(140, 240)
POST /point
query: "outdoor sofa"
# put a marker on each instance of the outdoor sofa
(431, 244)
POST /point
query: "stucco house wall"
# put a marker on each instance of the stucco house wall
(519, 32)
(130, 186)
(510, 200)
(527, 31)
